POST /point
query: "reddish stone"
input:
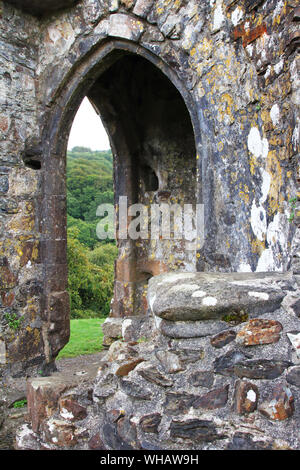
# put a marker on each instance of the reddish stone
(249, 35)
(42, 399)
(212, 400)
(245, 397)
(70, 409)
(280, 405)
(7, 299)
(7, 279)
(95, 443)
(259, 331)
(4, 123)
(223, 338)
(124, 369)
(60, 433)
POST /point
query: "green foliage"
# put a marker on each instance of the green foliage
(90, 285)
(235, 318)
(20, 403)
(13, 320)
(292, 203)
(90, 261)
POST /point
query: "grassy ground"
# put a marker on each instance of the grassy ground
(86, 338)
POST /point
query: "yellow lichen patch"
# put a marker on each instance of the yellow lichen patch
(226, 108)
(253, 163)
(244, 193)
(201, 52)
(257, 246)
(275, 197)
(233, 176)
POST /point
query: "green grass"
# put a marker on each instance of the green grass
(85, 338)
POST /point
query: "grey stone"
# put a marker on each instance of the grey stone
(112, 327)
(177, 403)
(196, 430)
(169, 361)
(190, 329)
(261, 368)
(189, 356)
(145, 445)
(223, 338)
(135, 328)
(105, 385)
(149, 423)
(4, 185)
(225, 365)
(212, 296)
(212, 400)
(293, 376)
(151, 374)
(142, 7)
(112, 438)
(245, 441)
(202, 379)
(135, 390)
(125, 27)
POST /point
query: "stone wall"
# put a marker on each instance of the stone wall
(206, 370)
(236, 67)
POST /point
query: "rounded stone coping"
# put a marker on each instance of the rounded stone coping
(216, 296)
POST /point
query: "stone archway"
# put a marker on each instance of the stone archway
(155, 161)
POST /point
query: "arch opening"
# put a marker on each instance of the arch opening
(152, 139)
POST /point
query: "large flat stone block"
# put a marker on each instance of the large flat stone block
(216, 296)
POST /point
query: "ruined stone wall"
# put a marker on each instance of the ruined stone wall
(235, 65)
(21, 271)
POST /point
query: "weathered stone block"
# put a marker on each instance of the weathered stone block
(71, 410)
(169, 361)
(95, 443)
(190, 329)
(213, 400)
(294, 338)
(293, 376)
(259, 331)
(245, 397)
(122, 26)
(261, 368)
(223, 338)
(196, 430)
(151, 374)
(150, 423)
(124, 369)
(135, 390)
(42, 399)
(225, 365)
(142, 7)
(212, 296)
(280, 405)
(202, 379)
(60, 433)
(177, 403)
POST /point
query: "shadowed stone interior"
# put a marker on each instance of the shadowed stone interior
(41, 7)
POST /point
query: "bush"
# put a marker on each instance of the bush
(91, 278)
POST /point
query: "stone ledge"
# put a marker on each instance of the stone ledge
(214, 296)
